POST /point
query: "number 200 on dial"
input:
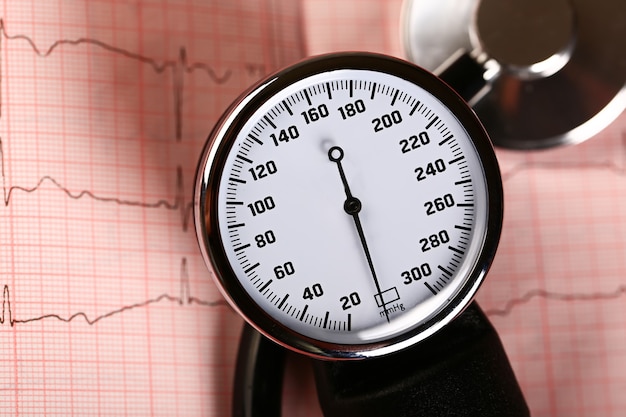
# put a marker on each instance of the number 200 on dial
(350, 205)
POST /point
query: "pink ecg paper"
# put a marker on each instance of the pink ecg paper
(107, 306)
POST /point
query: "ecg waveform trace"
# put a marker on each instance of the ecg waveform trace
(620, 291)
(179, 67)
(178, 204)
(184, 298)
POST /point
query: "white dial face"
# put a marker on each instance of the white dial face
(352, 207)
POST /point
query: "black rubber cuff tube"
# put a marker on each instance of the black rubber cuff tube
(461, 371)
(258, 383)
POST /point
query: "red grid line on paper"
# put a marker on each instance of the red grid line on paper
(555, 291)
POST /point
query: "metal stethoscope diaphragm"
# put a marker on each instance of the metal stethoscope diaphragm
(553, 72)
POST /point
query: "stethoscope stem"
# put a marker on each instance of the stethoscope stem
(465, 75)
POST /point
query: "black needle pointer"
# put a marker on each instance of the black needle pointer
(352, 206)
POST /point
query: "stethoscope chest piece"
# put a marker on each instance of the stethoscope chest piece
(555, 70)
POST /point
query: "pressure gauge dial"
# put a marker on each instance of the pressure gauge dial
(349, 206)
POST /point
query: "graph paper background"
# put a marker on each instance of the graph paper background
(107, 307)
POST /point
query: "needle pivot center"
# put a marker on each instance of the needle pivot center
(352, 206)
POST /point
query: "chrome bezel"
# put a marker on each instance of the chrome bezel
(212, 163)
